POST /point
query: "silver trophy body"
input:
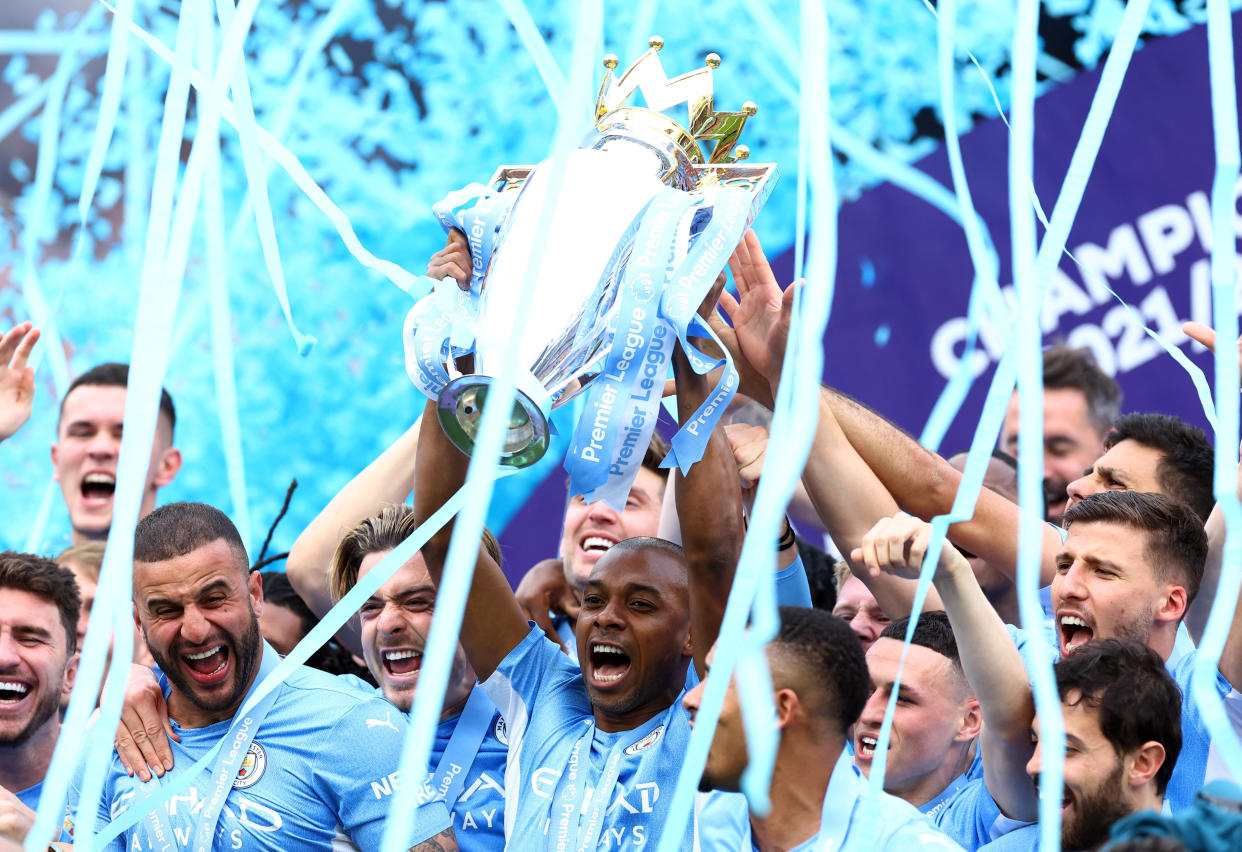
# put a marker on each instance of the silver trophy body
(629, 157)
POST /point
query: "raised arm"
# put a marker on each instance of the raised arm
(709, 505)
(991, 661)
(493, 624)
(387, 479)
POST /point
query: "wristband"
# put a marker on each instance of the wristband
(787, 539)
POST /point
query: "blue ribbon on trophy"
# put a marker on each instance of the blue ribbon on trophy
(644, 224)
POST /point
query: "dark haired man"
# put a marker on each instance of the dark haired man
(310, 765)
(593, 751)
(819, 676)
(1123, 733)
(38, 661)
(1081, 402)
(88, 447)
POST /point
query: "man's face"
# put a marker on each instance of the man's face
(199, 614)
(395, 624)
(726, 759)
(1071, 443)
(589, 531)
(1105, 588)
(1127, 466)
(633, 632)
(930, 719)
(36, 668)
(857, 607)
(84, 457)
(1095, 792)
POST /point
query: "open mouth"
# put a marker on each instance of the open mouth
(609, 664)
(402, 662)
(597, 544)
(1075, 632)
(12, 692)
(98, 487)
(867, 745)
(207, 666)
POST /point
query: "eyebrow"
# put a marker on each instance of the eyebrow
(206, 590)
(1115, 474)
(628, 588)
(32, 630)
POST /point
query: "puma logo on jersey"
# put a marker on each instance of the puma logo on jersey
(386, 722)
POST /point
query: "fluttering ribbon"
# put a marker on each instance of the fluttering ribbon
(1225, 321)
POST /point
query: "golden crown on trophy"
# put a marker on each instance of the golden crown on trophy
(694, 89)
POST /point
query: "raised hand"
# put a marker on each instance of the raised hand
(760, 314)
(17, 383)
(897, 546)
(452, 261)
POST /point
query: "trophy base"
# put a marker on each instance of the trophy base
(460, 410)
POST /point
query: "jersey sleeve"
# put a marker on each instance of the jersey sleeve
(792, 588)
(357, 770)
(535, 673)
(972, 817)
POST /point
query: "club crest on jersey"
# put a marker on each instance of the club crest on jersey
(252, 767)
(501, 730)
(647, 741)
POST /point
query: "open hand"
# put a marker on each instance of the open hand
(17, 383)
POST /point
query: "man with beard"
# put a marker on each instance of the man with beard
(613, 731)
(819, 677)
(308, 766)
(1081, 402)
(1123, 733)
(38, 661)
(471, 746)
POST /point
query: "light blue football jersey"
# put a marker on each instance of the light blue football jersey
(319, 774)
(540, 693)
(478, 814)
(30, 798)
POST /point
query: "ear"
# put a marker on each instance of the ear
(166, 468)
(55, 462)
(254, 584)
(687, 647)
(1143, 763)
(788, 707)
(1173, 605)
(972, 722)
(71, 674)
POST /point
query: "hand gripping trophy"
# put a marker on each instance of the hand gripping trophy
(642, 221)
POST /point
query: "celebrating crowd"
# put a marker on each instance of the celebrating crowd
(570, 702)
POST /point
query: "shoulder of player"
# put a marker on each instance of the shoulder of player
(327, 699)
(905, 827)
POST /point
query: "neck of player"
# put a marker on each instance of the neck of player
(627, 720)
(25, 765)
(797, 792)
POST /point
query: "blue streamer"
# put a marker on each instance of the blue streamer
(109, 105)
(795, 416)
(553, 79)
(1225, 321)
(463, 551)
(156, 309)
(291, 165)
(217, 266)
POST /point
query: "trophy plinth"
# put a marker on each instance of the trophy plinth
(460, 410)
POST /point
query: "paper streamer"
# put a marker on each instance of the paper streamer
(292, 166)
(463, 551)
(217, 270)
(156, 308)
(798, 401)
(1225, 321)
(109, 105)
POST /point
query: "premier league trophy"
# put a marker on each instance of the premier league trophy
(642, 221)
